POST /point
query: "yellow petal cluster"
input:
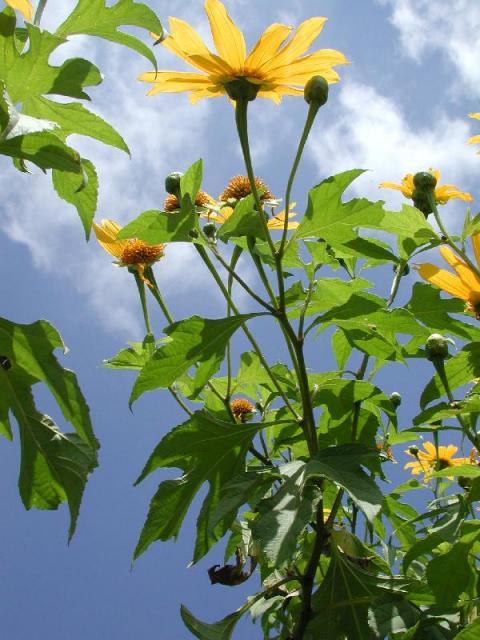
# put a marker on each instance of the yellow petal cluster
(427, 461)
(24, 6)
(129, 253)
(443, 193)
(278, 63)
(463, 284)
(474, 139)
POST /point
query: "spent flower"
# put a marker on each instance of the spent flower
(128, 253)
(275, 67)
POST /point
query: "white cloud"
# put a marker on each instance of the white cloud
(371, 131)
(449, 27)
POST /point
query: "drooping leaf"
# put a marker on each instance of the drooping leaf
(75, 118)
(79, 190)
(95, 18)
(207, 450)
(157, 227)
(194, 340)
(221, 630)
(54, 465)
(44, 149)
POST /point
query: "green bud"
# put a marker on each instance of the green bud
(437, 347)
(422, 201)
(424, 181)
(210, 230)
(396, 399)
(464, 482)
(316, 91)
(193, 233)
(405, 270)
(172, 183)
(241, 89)
(413, 450)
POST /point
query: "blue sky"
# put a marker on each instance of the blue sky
(401, 106)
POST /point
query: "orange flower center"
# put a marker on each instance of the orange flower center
(239, 187)
(172, 203)
(138, 252)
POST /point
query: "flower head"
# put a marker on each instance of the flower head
(239, 187)
(172, 203)
(24, 6)
(129, 253)
(427, 461)
(474, 139)
(465, 284)
(242, 409)
(443, 193)
(222, 213)
(275, 67)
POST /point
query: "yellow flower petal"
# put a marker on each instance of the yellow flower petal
(444, 280)
(301, 41)
(473, 140)
(267, 45)
(301, 70)
(476, 247)
(228, 38)
(474, 115)
(106, 234)
(24, 6)
(466, 275)
(446, 192)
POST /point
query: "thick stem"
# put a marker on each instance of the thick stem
(39, 12)
(157, 294)
(141, 292)
(237, 252)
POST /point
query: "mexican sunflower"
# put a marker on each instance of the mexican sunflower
(443, 193)
(276, 64)
(474, 139)
(464, 284)
(129, 253)
(427, 462)
(24, 6)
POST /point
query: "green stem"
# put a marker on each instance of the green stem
(157, 294)
(237, 252)
(448, 238)
(208, 263)
(241, 107)
(261, 271)
(312, 112)
(308, 297)
(141, 292)
(39, 12)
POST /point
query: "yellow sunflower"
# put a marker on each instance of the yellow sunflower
(443, 193)
(465, 284)
(474, 139)
(276, 64)
(427, 462)
(129, 253)
(24, 6)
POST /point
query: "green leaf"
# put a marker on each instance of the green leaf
(411, 227)
(466, 470)
(13, 123)
(156, 227)
(471, 227)
(207, 450)
(29, 74)
(244, 221)
(460, 369)
(341, 348)
(75, 118)
(341, 464)
(328, 218)
(72, 188)
(471, 632)
(133, 358)
(365, 248)
(282, 517)
(45, 150)
(54, 466)
(449, 574)
(193, 341)
(330, 293)
(432, 310)
(392, 614)
(93, 17)
(190, 183)
(221, 630)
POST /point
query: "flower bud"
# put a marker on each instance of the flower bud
(437, 347)
(396, 399)
(172, 183)
(405, 270)
(424, 181)
(210, 230)
(413, 450)
(241, 89)
(316, 91)
(5, 363)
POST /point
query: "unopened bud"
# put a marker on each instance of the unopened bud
(210, 230)
(437, 347)
(396, 399)
(425, 181)
(316, 91)
(172, 183)
(413, 450)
